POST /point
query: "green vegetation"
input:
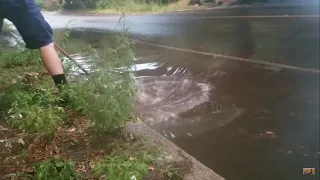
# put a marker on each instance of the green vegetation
(113, 6)
(55, 169)
(124, 166)
(43, 138)
(106, 97)
(49, 5)
(140, 5)
(110, 6)
(91, 4)
(21, 58)
(30, 101)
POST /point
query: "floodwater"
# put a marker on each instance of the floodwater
(244, 120)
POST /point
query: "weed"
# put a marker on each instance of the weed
(55, 169)
(108, 93)
(124, 166)
(169, 171)
(21, 58)
(67, 67)
(31, 104)
(19, 175)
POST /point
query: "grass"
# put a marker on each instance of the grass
(30, 102)
(55, 168)
(108, 93)
(124, 166)
(21, 58)
(44, 140)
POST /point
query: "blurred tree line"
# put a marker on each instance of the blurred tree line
(53, 5)
(93, 4)
(50, 5)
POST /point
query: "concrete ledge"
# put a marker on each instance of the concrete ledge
(197, 170)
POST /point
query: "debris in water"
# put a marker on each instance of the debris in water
(172, 135)
(189, 134)
(270, 133)
(302, 146)
(263, 118)
(290, 152)
(243, 131)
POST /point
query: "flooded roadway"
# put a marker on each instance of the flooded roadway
(259, 122)
(244, 120)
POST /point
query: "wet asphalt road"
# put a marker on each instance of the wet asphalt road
(255, 122)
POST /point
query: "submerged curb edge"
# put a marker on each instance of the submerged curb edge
(197, 170)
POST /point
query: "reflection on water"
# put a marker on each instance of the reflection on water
(150, 66)
(81, 60)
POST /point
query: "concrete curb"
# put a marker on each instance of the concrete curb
(197, 171)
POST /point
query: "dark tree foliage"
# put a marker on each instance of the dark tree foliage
(92, 4)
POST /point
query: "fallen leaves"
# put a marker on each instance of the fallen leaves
(3, 128)
(20, 141)
(39, 147)
(151, 167)
(28, 170)
(131, 136)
